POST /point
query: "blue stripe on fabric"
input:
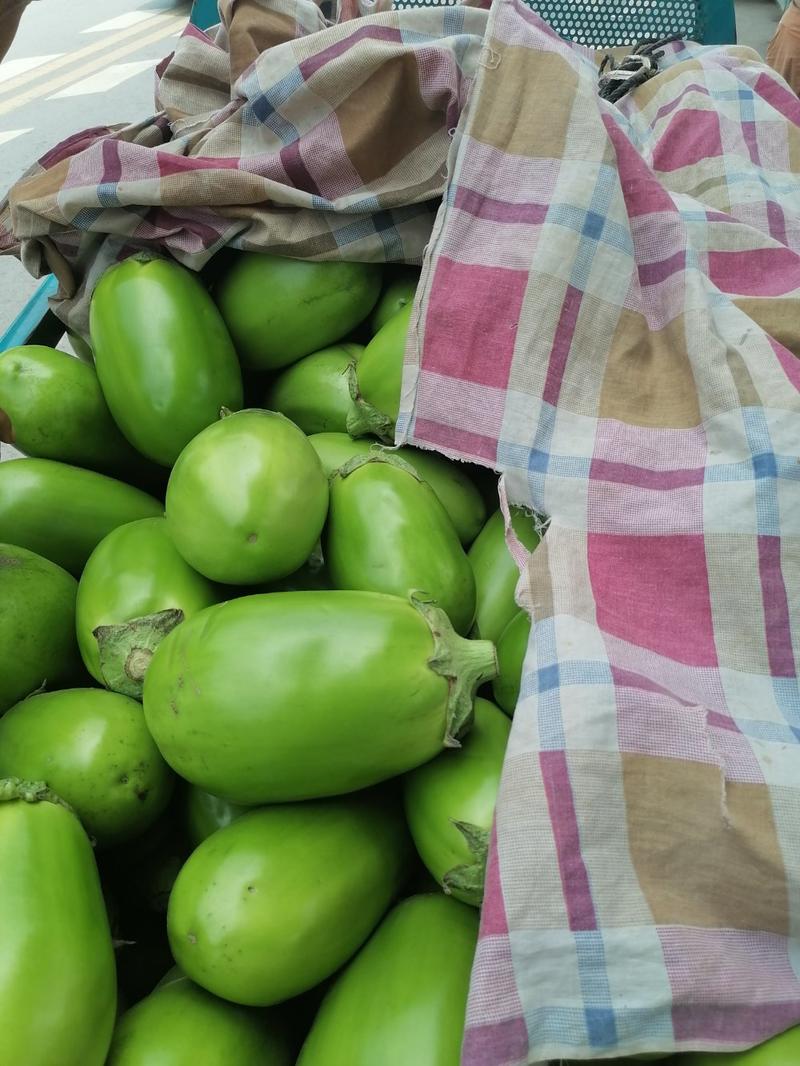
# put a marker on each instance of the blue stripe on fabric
(567, 672)
(787, 696)
(771, 731)
(593, 975)
(86, 217)
(520, 456)
(540, 452)
(757, 433)
(107, 194)
(591, 224)
(548, 704)
(354, 231)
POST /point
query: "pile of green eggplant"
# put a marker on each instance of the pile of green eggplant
(257, 672)
(246, 778)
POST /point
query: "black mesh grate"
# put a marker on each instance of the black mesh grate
(610, 23)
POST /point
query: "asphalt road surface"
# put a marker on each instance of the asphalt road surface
(75, 64)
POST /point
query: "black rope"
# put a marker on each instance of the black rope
(642, 64)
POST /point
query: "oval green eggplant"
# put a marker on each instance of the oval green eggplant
(388, 532)
(496, 573)
(58, 982)
(163, 355)
(180, 1024)
(37, 624)
(299, 885)
(457, 494)
(399, 291)
(511, 649)
(63, 512)
(205, 814)
(247, 499)
(134, 588)
(56, 410)
(450, 805)
(375, 383)
(279, 309)
(93, 749)
(293, 695)
(314, 392)
(403, 998)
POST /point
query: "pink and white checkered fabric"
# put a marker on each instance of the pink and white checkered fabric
(610, 314)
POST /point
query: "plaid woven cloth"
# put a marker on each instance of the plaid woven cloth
(279, 132)
(609, 313)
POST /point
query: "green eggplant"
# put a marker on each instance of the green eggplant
(63, 512)
(93, 748)
(314, 392)
(449, 480)
(205, 814)
(58, 984)
(180, 1024)
(164, 358)
(450, 805)
(247, 499)
(388, 532)
(399, 290)
(279, 309)
(375, 383)
(54, 409)
(496, 573)
(301, 886)
(37, 624)
(511, 649)
(135, 587)
(293, 695)
(402, 1001)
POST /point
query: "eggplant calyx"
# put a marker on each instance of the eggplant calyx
(126, 649)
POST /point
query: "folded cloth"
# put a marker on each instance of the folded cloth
(610, 314)
(278, 132)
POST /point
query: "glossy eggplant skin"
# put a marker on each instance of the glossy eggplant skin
(403, 998)
(165, 360)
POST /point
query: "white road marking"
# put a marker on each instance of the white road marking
(120, 22)
(105, 79)
(12, 67)
(10, 135)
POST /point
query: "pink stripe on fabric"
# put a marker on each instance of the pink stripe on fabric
(740, 1025)
(471, 322)
(788, 360)
(776, 608)
(722, 721)
(74, 144)
(692, 137)
(502, 1042)
(471, 446)
(776, 220)
(643, 194)
(755, 271)
(680, 100)
(652, 591)
(493, 914)
(630, 679)
(112, 164)
(296, 170)
(310, 66)
(771, 89)
(562, 342)
(750, 137)
(640, 477)
(486, 207)
(169, 163)
(574, 876)
(656, 273)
